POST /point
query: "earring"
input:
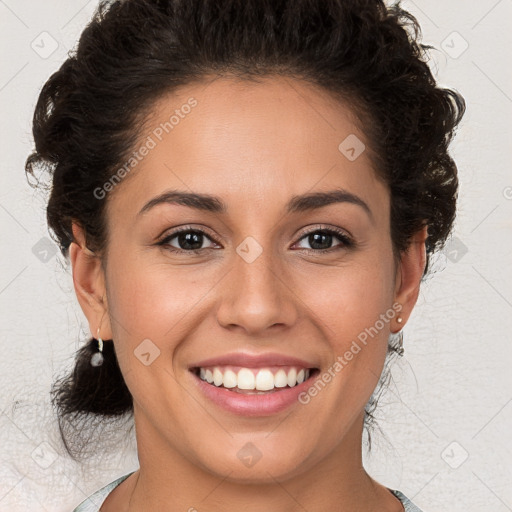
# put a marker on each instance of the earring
(400, 349)
(97, 358)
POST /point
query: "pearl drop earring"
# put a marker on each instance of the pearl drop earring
(97, 358)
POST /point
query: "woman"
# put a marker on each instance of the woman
(248, 193)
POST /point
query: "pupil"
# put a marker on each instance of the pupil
(316, 238)
(191, 238)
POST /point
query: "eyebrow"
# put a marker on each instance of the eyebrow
(213, 204)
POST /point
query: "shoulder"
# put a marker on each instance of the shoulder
(94, 502)
(409, 506)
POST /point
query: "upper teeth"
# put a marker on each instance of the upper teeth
(246, 378)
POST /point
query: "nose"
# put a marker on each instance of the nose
(257, 296)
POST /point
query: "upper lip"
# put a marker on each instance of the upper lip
(253, 361)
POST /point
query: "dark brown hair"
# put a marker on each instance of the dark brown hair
(135, 51)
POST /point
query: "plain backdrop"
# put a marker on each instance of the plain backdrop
(446, 420)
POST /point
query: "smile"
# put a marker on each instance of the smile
(244, 398)
(249, 384)
(253, 380)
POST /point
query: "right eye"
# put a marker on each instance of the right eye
(187, 240)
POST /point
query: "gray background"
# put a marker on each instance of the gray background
(447, 417)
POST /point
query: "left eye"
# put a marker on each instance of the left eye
(319, 239)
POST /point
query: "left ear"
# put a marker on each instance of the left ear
(409, 274)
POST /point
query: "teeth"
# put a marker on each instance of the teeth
(230, 379)
(247, 379)
(217, 377)
(280, 379)
(264, 380)
(292, 377)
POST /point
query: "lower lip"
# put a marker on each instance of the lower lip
(254, 405)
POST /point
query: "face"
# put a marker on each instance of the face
(257, 283)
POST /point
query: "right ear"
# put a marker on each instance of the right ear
(89, 283)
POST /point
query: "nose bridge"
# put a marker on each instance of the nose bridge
(256, 266)
(255, 297)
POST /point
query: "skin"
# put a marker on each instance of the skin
(254, 145)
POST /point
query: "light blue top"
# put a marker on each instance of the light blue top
(94, 502)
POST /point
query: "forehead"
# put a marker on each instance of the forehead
(251, 143)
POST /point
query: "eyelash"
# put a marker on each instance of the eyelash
(346, 241)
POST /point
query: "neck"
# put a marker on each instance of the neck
(169, 480)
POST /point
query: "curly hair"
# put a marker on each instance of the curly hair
(90, 112)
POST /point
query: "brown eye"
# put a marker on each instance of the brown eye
(186, 240)
(322, 240)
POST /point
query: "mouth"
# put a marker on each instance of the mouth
(253, 385)
(255, 381)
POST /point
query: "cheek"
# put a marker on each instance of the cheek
(150, 299)
(155, 301)
(350, 299)
(356, 338)
(352, 308)
(152, 309)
